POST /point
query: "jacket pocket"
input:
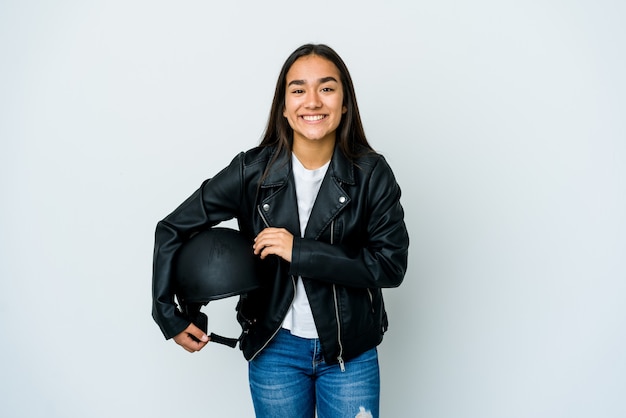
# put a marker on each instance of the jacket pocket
(358, 310)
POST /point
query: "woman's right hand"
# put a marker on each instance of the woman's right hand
(185, 340)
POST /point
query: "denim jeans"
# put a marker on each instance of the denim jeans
(290, 378)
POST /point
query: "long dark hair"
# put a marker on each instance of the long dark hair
(350, 134)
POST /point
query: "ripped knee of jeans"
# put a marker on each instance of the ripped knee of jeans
(363, 413)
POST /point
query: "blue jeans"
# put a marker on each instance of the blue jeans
(289, 378)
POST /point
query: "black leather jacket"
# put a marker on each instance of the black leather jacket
(355, 243)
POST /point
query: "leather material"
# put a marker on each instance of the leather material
(355, 244)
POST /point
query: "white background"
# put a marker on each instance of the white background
(504, 122)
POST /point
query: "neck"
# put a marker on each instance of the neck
(313, 154)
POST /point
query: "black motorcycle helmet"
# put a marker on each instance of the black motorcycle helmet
(213, 264)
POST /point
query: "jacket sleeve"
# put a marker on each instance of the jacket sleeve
(382, 259)
(217, 200)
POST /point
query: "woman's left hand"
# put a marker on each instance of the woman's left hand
(277, 241)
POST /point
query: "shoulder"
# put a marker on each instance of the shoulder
(250, 165)
(370, 162)
(377, 174)
(257, 155)
(254, 157)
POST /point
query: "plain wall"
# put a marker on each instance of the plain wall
(504, 122)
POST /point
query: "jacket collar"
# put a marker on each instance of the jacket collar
(340, 168)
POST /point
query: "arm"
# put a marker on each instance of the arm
(218, 199)
(382, 259)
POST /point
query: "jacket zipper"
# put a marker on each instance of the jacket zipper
(340, 356)
(293, 281)
(342, 365)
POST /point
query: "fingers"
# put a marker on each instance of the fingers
(197, 332)
(277, 241)
(192, 339)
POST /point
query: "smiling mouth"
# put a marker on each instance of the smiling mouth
(313, 118)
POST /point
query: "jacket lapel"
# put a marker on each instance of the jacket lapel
(278, 204)
(331, 198)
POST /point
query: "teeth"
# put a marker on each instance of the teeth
(313, 118)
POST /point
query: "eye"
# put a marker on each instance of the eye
(297, 91)
(327, 89)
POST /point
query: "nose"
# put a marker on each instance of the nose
(313, 100)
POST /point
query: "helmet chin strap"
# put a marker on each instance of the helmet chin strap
(199, 319)
(231, 342)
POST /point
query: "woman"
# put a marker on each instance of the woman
(324, 212)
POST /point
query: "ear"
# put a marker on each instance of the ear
(344, 109)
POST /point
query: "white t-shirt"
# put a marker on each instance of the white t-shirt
(299, 319)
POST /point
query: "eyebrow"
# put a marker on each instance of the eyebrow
(321, 81)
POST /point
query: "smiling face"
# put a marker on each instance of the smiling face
(313, 99)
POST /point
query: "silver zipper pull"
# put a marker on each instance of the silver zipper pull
(342, 366)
